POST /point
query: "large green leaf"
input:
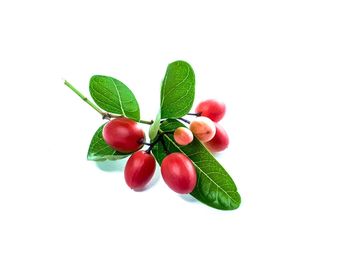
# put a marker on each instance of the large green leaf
(114, 96)
(177, 92)
(100, 151)
(214, 186)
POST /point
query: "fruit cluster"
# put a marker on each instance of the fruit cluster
(180, 146)
(178, 172)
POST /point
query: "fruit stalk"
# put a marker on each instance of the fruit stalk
(184, 120)
(194, 114)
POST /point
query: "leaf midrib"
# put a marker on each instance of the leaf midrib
(164, 83)
(200, 169)
(120, 101)
(171, 90)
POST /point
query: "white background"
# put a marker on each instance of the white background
(282, 67)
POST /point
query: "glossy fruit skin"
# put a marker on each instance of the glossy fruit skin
(213, 109)
(123, 134)
(179, 173)
(183, 136)
(139, 170)
(203, 128)
(220, 141)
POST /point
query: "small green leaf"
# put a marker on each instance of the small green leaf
(100, 151)
(177, 92)
(114, 96)
(153, 130)
(214, 186)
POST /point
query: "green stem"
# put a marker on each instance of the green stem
(83, 97)
(94, 106)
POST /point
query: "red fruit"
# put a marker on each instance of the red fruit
(139, 170)
(220, 141)
(183, 136)
(212, 109)
(203, 128)
(179, 173)
(123, 134)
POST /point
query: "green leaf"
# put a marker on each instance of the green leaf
(114, 96)
(100, 151)
(177, 92)
(153, 130)
(214, 186)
